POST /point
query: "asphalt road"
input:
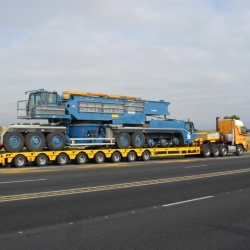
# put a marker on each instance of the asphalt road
(185, 203)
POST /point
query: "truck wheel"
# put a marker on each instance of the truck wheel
(35, 141)
(150, 143)
(41, 160)
(239, 150)
(99, 158)
(206, 151)
(13, 142)
(123, 140)
(131, 156)
(116, 157)
(81, 158)
(138, 140)
(223, 150)
(62, 159)
(215, 151)
(145, 156)
(19, 161)
(55, 141)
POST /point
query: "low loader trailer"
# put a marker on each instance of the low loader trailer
(82, 156)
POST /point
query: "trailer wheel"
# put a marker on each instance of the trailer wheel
(239, 150)
(56, 141)
(41, 160)
(138, 140)
(131, 156)
(145, 156)
(215, 151)
(223, 150)
(206, 151)
(35, 141)
(123, 140)
(116, 157)
(19, 161)
(13, 142)
(99, 158)
(62, 159)
(81, 158)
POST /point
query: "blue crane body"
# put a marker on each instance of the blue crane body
(94, 119)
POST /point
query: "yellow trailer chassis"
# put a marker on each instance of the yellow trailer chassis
(78, 156)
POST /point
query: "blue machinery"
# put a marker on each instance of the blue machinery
(95, 119)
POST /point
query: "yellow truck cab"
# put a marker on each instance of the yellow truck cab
(234, 131)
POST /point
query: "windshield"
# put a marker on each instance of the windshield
(189, 126)
(243, 130)
(42, 98)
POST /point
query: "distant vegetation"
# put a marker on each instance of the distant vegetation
(232, 117)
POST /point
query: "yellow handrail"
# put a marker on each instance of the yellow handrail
(66, 92)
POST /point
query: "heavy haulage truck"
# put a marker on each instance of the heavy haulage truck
(84, 126)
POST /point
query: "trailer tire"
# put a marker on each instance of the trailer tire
(99, 157)
(206, 151)
(138, 140)
(19, 161)
(62, 159)
(35, 141)
(41, 160)
(223, 150)
(131, 156)
(239, 150)
(116, 157)
(215, 152)
(145, 156)
(55, 141)
(123, 140)
(13, 142)
(81, 158)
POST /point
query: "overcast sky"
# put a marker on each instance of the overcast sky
(194, 53)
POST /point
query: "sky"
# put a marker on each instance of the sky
(192, 53)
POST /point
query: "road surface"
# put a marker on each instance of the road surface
(187, 203)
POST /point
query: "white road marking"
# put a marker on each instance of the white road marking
(8, 182)
(196, 166)
(181, 202)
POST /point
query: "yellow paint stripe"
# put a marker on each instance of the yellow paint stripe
(118, 186)
(28, 170)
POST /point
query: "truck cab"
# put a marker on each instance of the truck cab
(41, 104)
(234, 131)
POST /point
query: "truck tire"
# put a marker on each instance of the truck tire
(41, 160)
(62, 159)
(145, 156)
(19, 161)
(239, 150)
(215, 152)
(223, 150)
(116, 157)
(81, 158)
(13, 142)
(123, 140)
(138, 140)
(131, 156)
(55, 141)
(35, 141)
(206, 151)
(99, 158)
